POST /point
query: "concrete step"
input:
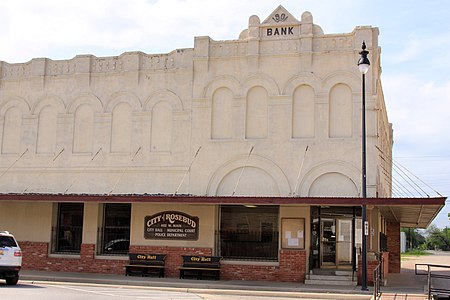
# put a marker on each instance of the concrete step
(330, 277)
(330, 282)
(331, 272)
(344, 273)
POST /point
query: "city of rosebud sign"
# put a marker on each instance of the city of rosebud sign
(171, 225)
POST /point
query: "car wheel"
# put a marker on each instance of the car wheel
(12, 280)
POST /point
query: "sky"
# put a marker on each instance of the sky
(414, 38)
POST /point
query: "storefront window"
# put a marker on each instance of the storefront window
(67, 235)
(114, 235)
(249, 232)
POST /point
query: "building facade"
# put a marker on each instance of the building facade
(248, 149)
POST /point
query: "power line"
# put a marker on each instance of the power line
(404, 179)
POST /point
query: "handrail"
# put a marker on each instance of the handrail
(378, 277)
(433, 287)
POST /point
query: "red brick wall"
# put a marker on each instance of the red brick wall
(385, 256)
(371, 265)
(393, 246)
(292, 265)
(291, 268)
(35, 257)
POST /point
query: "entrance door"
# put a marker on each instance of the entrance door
(344, 242)
(336, 242)
(328, 242)
(335, 236)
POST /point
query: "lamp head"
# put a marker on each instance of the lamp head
(363, 62)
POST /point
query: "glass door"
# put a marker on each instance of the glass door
(344, 242)
(328, 242)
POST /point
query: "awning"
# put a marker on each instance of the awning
(415, 216)
(409, 212)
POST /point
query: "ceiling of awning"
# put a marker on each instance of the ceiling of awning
(416, 216)
(409, 212)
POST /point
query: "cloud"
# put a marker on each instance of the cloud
(62, 29)
(419, 112)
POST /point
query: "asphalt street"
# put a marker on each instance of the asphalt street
(59, 285)
(26, 290)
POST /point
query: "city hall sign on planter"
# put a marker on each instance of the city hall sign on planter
(171, 225)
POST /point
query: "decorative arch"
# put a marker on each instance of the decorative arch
(340, 111)
(225, 81)
(47, 109)
(299, 80)
(222, 114)
(50, 100)
(87, 98)
(83, 128)
(121, 127)
(162, 127)
(264, 165)
(261, 80)
(164, 95)
(12, 130)
(303, 112)
(344, 77)
(333, 185)
(333, 166)
(257, 113)
(126, 97)
(15, 101)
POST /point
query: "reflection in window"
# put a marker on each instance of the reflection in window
(67, 235)
(249, 232)
(114, 236)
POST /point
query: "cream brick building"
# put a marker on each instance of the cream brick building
(271, 119)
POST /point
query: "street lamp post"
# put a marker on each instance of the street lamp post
(363, 65)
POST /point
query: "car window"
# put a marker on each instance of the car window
(7, 241)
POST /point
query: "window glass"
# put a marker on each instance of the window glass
(249, 232)
(115, 232)
(67, 235)
(7, 241)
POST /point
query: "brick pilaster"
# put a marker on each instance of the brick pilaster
(393, 246)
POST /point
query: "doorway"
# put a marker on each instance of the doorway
(328, 242)
(335, 236)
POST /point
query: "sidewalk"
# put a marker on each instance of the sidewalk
(223, 287)
(401, 286)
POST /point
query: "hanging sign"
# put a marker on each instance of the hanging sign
(171, 225)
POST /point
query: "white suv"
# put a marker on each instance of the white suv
(10, 258)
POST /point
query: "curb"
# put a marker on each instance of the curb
(274, 292)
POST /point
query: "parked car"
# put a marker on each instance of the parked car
(10, 258)
(117, 246)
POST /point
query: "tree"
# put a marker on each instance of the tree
(414, 239)
(438, 238)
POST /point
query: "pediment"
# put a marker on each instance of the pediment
(279, 17)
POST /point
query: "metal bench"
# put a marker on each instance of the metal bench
(438, 279)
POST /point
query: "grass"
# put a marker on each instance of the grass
(416, 252)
